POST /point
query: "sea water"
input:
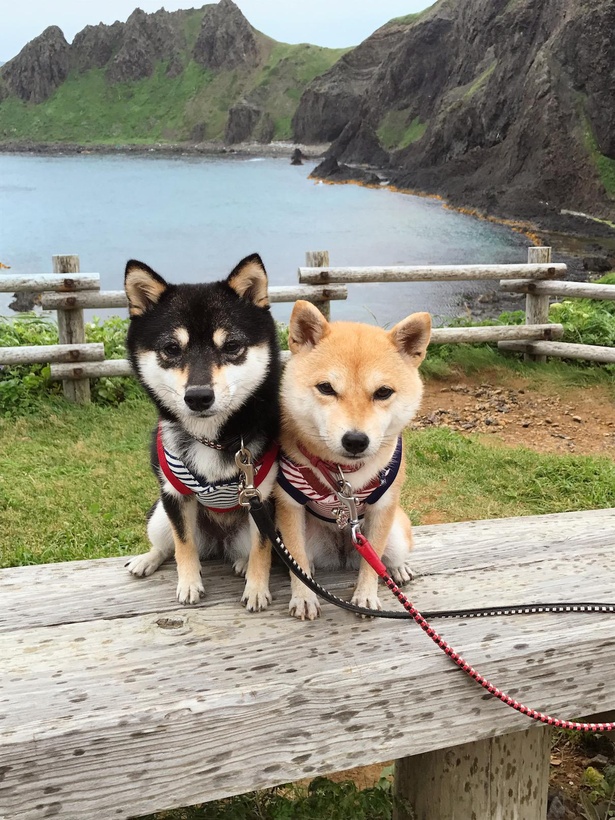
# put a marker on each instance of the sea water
(193, 218)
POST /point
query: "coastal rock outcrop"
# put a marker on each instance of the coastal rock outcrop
(248, 122)
(39, 68)
(506, 107)
(226, 39)
(329, 169)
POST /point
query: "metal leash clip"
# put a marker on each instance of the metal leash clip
(349, 515)
(247, 490)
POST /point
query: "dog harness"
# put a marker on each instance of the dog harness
(220, 497)
(302, 483)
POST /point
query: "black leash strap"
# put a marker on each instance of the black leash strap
(266, 527)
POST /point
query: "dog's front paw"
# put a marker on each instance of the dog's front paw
(190, 592)
(402, 574)
(366, 600)
(240, 567)
(256, 598)
(143, 565)
(305, 607)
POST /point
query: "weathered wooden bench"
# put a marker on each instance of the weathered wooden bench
(115, 702)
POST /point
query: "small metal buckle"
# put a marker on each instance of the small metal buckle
(247, 490)
(350, 515)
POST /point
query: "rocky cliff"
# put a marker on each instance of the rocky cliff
(505, 106)
(39, 68)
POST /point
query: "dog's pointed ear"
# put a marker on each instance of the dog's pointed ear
(143, 287)
(411, 337)
(249, 280)
(307, 327)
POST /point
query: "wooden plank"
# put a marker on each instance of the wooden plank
(123, 712)
(42, 354)
(494, 333)
(563, 350)
(568, 547)
(567, 290)
(319, 259)
(91, 370)
(215, 702)
(427, 273)
(501, 778)
(117, 298)
(537, 305)
(39, 282)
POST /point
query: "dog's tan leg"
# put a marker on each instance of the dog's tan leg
(397, 553)
(378, 523)
(256, 595)
(189, 584)
(290, 518)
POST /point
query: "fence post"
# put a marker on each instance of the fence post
(537, 307)
(71, 330)
(319, 259)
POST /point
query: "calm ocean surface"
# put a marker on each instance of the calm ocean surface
(192, 219)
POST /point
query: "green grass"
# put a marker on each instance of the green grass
(321, 800)
(480, 81)
(75, 481)
(395, 132)
(86, 109)
(605, 165)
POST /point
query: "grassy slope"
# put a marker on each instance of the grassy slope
(86, 109)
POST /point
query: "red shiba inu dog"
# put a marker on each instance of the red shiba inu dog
(348, 391)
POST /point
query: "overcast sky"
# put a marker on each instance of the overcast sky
(332, 23)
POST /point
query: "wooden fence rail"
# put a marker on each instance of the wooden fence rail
(46, 354)
(429, 273)
(117, 298)
(70, 292)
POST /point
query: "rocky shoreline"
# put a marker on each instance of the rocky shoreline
(179, 149)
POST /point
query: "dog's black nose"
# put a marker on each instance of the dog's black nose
(355, 442)
(199, 398)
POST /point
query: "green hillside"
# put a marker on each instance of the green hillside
(180, 100)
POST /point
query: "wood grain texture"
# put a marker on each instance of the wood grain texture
(39, 282)
(537, 305)
(42, 354)
(116, 701)
(494, 333)
(428, 273)
(117, 298)
(319, 259)
(501, 778)
(568, 290)
(71, 331)
(562, 350)
(91, 370)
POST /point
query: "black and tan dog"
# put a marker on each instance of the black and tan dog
(208, 357)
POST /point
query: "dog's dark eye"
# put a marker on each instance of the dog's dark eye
(232, 347)
(383, 393)
(172, 349)
(326, 389)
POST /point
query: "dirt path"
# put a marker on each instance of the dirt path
(517, 412)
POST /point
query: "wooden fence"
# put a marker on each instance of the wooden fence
(70, 292)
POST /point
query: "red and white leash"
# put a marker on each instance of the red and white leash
(344, 492)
